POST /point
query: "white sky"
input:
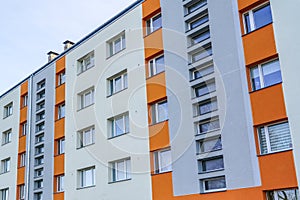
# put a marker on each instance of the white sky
(32, 28)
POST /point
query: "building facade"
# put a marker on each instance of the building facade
(171, 99)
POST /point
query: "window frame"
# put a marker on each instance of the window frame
(155, 112)
(5, 165)
(211, 179)
(60, 183)
(123, 75)
(8, 110)
(111, 44)
(61, 78)
(82, 177)
(82, 98)
(201, 2)
(22, 162)
(205, 121)
(202, 164)
(150, 29)
(24, 100)
(274, 192)
(210, 104)
(24, 129)
(114, 170)
(4, 194)
(21, 192)
(81, 139)
(6, 137)
(113, 125)
(81, 62)
(61, 111)
(60, 146)
(200, 144)
(38, 184)
(204, 15)
(157, 162)
(153, 66)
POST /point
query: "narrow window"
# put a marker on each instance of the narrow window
(153, 24)
(162, 161)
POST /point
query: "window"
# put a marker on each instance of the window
(209, 145)
(40, 116)
(39, 149)
(40, 95)
(39, 138)
(86, 98)
(206, 106)
(211, 164)
(257, 18)
(156, 66)
(208, 125)
(198, 21)
(38, 172)
(274, 138)
(118, 83)
(38, 196)
(8, 110)
(120, 170)
(200, 72)
(39, 161)
(153, 24)
(5, 165)
(199, 37)
(61, 146)
(287, 194)
(41, 84)
(87, 177)
(162, 161)
(24, 128)
(24, 100)
(21, 192)
(40, 127)
(22, 159)
(61, 78)
(60, 183)
(38, 184)
(85, 63)
(265, 75)
(119, 125)
(117, 44)
(159, 112)
(6, 137)
(195, 6)
(214, 184)
(61, 111)
(4, 194)
(204, 88)
(86, 137)
(199, 55)
(40, 105)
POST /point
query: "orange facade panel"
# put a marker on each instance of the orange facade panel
(60, 94)
(162, 186)
(246, 4)
(150, 6)
(156, 87)
(60, 64)
(268, 105)
(58, 196)
(24, 88)
(259, 45)
(278, 171)
(59, 164)
(22, 144)
(59, 128)
(153, 43)
(159, 136)
(23, 114)
(21, 176)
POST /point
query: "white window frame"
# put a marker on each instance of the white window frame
(6, 136)
(4, 194)
(151, 28)
(39, 161)
(22, 192)
(5, 165)
(61, 111)
(204, 15)
(152, 65)
(60, 146)
(25, 100)
(203, 161)
(38, 172)
(251, 17)
(8, 110)
(268, 138)
(39, 138)
(41, 84)
(155, 112)
(211, 120)
(82, 134)
(115, 171)
(213, 190)
(39, 149)
(158, 168)
(202, 68)
(38, 184)
(208, 102)
(61, 78)
(125, 122)
(275, 193)
(82, 173)
(90, 93)
(112, 83)
(22, 159)
(200, 145)
(111, 44)
(210, 85)
(38, 196)
(60, 183)
(24, 129)
(201, 3)
(86, 62)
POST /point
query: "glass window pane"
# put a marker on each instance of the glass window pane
(162, 111)
(207, 107)
(200, 37)
(165, 161)
(255, 81)
(118, 84)
(247, 22)
(210, 145)
(160, 64)
(119, 126)
(280, 137)
(202, 54)
(203, 72)
(262, 16)
(117, 45)
(214, 184)
(157, 22)
(196, 6)
(262, 140)
(213, 164)
(271, 73)
(120, 170)
(198, 22)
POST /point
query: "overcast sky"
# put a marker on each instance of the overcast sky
(32, 28)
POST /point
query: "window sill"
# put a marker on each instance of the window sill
(265, 87)
(86, 187)
(245, 34)
(78, 74)
(115, 54)
(57, 155)
(6, 143)
(20, 136)
(194, 79)
(85, 146)
(158, 123)
(213, 191)
(113, 94)
(20, 167)
(157, 174)
(59, 192)
(116, 136)
(154, 75)
(211, 171)
(60, 85)
(146, 35)
(5, 117)
(4, 172)
(275, 152)
(85, 107)
(112, 182)
(59, 119)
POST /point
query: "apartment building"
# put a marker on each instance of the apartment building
(171, 99)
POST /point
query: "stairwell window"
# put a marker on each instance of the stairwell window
(86, 62)
(86, 137)
(210, 164)
(195, 6)
(204, 88)
(116, 44)
(153, 24)
(203, 18)
(207, 125)
(257, 18)
(203, 53)
(199, 37)
(162, 161)
(205, 106)
(119, 125)
(213, 184)
(117, 83)
(209, 145)
(156, 65)
(86, 98)
(274, 138)
(285, 194)
(265, 74)
(8, 110)
(159, 112)
(120, 170)
(201, 71)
